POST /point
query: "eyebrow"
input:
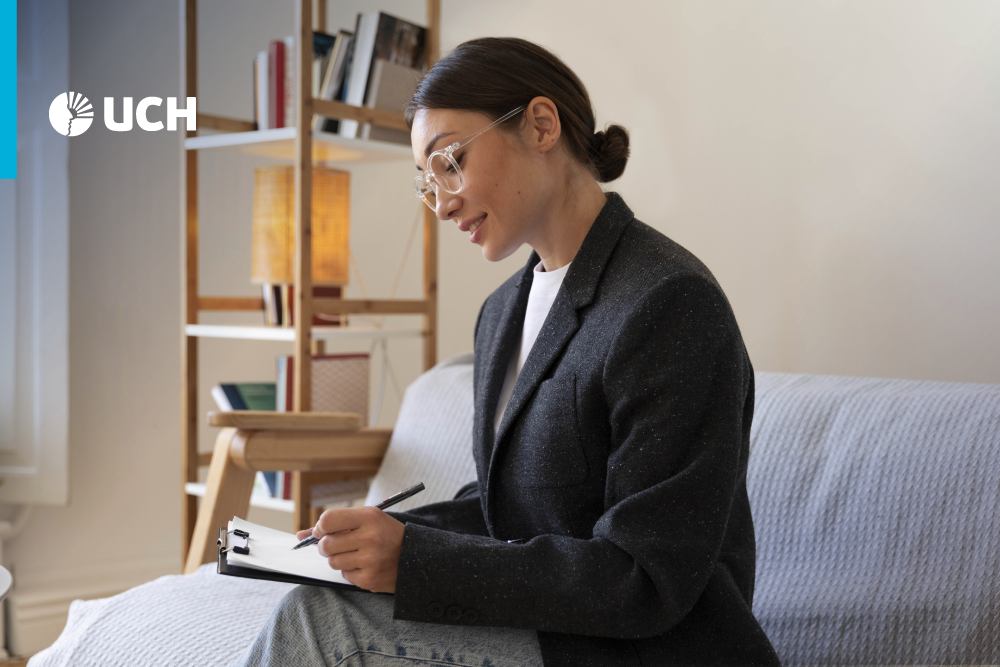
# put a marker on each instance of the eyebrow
(430, 145)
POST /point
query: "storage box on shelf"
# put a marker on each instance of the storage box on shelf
(302, 146)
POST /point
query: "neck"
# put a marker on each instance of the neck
(569, 219)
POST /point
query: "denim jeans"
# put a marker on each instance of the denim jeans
(345, 628)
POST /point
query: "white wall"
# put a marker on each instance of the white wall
(832, 162)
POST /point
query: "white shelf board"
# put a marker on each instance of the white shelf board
(256, 499)
(279, 143)
(287, 334)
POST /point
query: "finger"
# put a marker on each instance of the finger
(303, 534)
(355, 577)
(339, 543)
(336, 520)
(345, 562)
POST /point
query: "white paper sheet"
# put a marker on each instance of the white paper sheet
(272, 550)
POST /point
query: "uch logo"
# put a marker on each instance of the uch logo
(69, 107)
(72, 113)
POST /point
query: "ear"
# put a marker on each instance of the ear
(542, 128)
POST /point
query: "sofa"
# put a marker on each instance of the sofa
(875, 504)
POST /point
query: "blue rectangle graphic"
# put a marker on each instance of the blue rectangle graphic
(8, 88)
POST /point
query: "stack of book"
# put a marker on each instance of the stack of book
(377, 66)
(279, 304)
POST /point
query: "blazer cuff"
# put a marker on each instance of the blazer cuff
(429, 580)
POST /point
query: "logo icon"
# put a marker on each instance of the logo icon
(71, 114)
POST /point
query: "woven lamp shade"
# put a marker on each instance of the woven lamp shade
(273, 244)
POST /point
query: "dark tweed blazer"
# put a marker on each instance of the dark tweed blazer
(619, 469)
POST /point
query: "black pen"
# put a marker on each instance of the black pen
(385, 504)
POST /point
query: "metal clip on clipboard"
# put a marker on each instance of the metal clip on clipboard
(237, 541)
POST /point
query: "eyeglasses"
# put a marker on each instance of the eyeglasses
(443, 170)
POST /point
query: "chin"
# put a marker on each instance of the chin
(493, 254)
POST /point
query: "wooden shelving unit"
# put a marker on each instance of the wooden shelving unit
(302, 147)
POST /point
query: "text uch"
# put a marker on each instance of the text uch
(140, 114)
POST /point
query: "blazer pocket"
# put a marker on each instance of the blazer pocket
(548, 450)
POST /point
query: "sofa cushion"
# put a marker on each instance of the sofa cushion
(432, 439)
(875, 504)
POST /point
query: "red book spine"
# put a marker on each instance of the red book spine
(276, 82)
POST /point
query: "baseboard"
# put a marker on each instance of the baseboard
(37, 611)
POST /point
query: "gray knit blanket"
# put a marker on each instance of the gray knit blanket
(875, 505)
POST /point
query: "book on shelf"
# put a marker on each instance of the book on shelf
(390, 89)
(230, 396)
(270, 295)
(323, 43)
(339, 384)
(279, 304)
(380, 35)
(332, 79)
(287, 98)
(261, 116)
(276, 83)
(274, 77)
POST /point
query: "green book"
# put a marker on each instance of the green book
(245, 395)
(249, 396)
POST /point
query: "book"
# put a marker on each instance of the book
(332, 125)
(333, 78)
(380, 35)
(390, 89)
(279, 305)
(275, 78)
(230, 396)
(271, 295)
(244, 395)
(322, 45)
(339, 383)
(261, 102)
(276, 83)
(257, 552)
(291, 57)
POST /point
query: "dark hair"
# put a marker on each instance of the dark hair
(493, 75)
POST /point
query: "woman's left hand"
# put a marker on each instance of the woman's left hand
(363, 543)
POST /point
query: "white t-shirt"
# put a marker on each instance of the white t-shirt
(544, 287)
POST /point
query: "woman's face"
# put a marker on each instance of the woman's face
(503, 186)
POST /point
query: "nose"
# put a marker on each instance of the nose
(447, 205)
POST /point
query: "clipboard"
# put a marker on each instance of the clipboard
(238, 541)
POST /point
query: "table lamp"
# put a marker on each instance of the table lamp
(273, 244)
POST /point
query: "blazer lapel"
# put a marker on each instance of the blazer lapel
(560, 325)
(503, 344)
(562, 322)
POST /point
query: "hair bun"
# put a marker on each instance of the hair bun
(610, 152)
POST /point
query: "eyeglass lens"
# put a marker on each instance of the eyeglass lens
(446, 175)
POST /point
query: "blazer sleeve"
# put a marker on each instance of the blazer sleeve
(462, 514)
(676, 382)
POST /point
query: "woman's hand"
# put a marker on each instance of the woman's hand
(363, 543)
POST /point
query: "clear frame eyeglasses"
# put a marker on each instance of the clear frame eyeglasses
(442, 169)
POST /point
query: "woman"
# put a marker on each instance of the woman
(609, 524)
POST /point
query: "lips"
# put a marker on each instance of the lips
(466, 225)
